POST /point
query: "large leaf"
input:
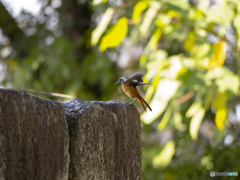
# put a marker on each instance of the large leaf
(97, 33)
(218, 57)
(165, 91)
(164, 158)
(115, 35)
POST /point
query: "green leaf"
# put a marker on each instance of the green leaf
(97, 33)
(164, 158)
(194, 81)
(115, 35)
(236, 23)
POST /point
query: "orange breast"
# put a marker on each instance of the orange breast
(129, 90)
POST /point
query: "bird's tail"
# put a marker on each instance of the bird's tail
(143, 102)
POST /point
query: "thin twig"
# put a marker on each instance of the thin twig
(184, 98)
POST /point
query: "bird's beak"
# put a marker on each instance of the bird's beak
(116, 82)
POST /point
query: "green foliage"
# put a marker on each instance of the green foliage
(185, 57)
(190, 54)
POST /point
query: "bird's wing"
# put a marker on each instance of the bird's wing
(137, 77)
(136, 80)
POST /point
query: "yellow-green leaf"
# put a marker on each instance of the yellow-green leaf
(221, 117)
(152, 45)
(149, 16)
(178, 120)
(138, 9)
(218, 57)
(115, 35)
(165, 91)
(196, 122)
(220, 101)
(96, 2)
(163, 21)
(221, 110)
(190, 42)
(97, 33)
(164, 158)
(193, 109)
(165, 118)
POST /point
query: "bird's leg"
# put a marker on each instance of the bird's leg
(134, 101)
(129, 101)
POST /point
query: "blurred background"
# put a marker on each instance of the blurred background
(187, 49)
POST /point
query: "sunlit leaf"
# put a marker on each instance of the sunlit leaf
(149, 16)
(176, 68)
(228, 83)
(151, 89)
(178, 120)
(115, 35)
(97, 33)
(163, 21)
(224, 79)
(221, 110)
(221, 117)
(152, 44)
(173, 13)
(218, 57)
(165, 91)
(164, 158)
(196, 122)
(165, 118)
(194, 108)
(220, 13)
(138, 9)
(96, 2)
(190, 42)
(195, 14)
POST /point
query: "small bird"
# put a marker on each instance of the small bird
(130, 88)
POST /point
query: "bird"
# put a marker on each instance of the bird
(129, 86)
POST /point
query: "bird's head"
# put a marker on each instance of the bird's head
(121, 80)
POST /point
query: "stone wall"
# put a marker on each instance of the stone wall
(44, 139)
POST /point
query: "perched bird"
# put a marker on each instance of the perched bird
(130, 88)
